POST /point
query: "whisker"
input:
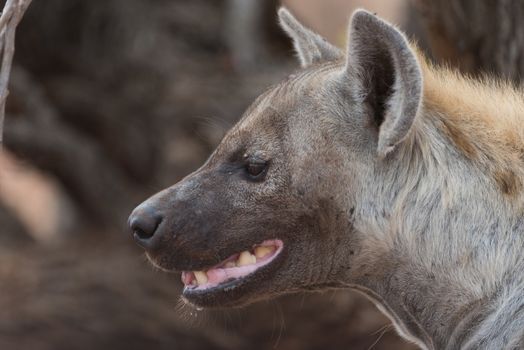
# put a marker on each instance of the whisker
(282, 324)
(384, 330)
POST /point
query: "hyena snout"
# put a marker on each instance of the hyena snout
(144, 222)
(178, 224)
(153, 221)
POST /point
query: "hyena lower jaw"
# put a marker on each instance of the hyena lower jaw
(368, 170)
(232, 271)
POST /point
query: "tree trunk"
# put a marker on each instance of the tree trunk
(476, 36)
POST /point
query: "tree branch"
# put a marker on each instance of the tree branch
(11, 16)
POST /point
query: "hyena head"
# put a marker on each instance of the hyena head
(272, 211)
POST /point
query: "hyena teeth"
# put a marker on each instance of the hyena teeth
(201, 277)
(230, 264)
(262, 251)
(246, 258)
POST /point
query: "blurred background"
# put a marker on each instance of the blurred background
(113, 100)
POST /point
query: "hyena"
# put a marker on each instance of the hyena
(369, 169)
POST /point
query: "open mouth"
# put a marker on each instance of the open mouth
(233, 269)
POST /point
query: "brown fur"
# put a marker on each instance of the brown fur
(483, 119)
(508, 182)
(460, 139)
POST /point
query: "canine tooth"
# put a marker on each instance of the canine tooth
(230, 264)
(246, 258)
(262, 251)
(201, 277)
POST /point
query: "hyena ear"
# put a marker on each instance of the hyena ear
(385, 76)
(311, 47)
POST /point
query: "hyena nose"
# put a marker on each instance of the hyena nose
(144, 222)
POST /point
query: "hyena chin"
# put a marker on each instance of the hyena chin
(370, 170)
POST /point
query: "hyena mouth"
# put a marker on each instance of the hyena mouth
(232, 270)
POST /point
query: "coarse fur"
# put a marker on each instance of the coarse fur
(386, 174)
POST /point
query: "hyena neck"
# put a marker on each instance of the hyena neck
(443, 245)
(435, 315)
(444, 282)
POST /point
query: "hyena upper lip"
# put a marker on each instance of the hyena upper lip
(235, 268)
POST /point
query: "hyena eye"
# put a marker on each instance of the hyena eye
(256, 169)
